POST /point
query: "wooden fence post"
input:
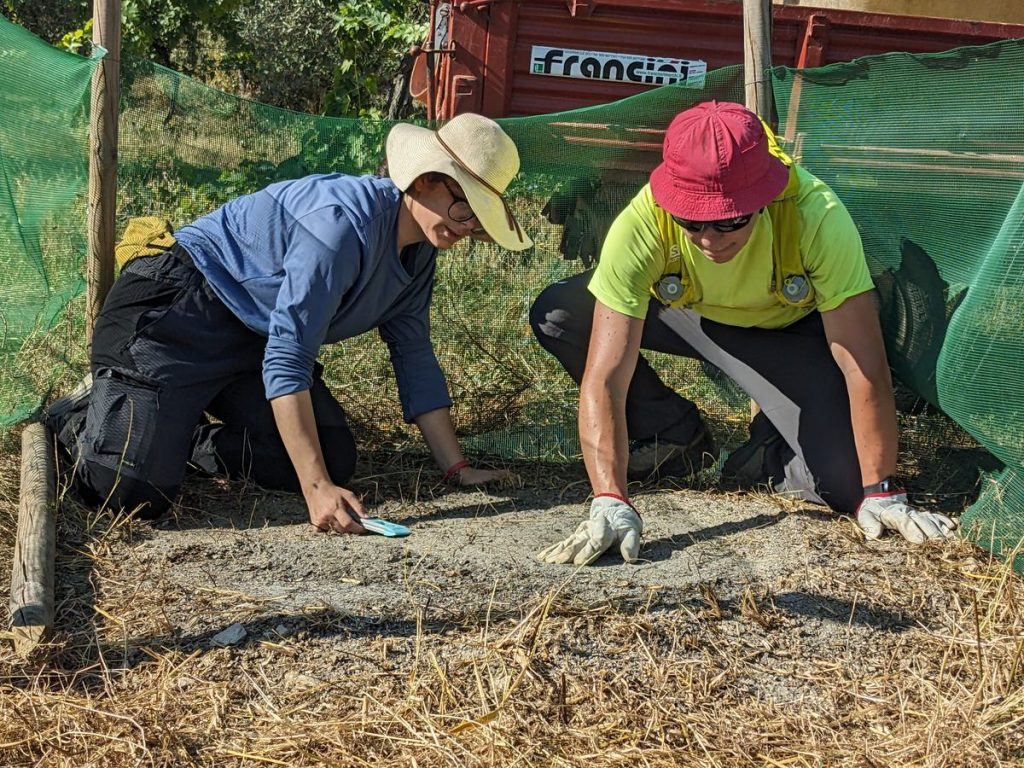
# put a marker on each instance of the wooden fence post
(106, 95)
(757, 58)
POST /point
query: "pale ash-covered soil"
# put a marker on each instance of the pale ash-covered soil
(733, 558)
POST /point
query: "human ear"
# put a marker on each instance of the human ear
(420, 184)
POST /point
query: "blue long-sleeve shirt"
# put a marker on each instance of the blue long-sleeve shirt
(315, 261)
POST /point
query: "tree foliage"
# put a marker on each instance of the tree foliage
(336, 57)
(374, 35)
(289, 53)
(49, 19)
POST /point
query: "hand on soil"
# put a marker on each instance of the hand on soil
(499, 477)
(879, 513)
(611, 522)
(333, 508)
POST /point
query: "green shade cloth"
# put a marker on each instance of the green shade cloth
(926, 151)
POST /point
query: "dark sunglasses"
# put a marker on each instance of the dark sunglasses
(721, 225)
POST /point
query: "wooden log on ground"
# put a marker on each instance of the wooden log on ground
(32, 580)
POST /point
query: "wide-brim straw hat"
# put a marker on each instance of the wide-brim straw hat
(474, 151)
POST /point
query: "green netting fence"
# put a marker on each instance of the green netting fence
(926, 151)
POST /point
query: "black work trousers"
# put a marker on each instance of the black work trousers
(789, 372)
(166, 352)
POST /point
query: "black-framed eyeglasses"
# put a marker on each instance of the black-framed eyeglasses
(720, 225)
(459, 210)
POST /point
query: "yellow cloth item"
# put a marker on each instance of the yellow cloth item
(644, 244)
(144, 236)
(790, 283)
(774, 147)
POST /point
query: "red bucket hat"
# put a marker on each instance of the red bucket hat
(716, 164)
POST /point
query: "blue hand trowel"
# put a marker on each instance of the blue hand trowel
(384, 527)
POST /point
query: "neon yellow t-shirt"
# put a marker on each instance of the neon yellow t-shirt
(644, 244)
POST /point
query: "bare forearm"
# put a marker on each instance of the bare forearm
(855, 339)
(439, 432)
(297, 425)
(611, 360)
(873, 415)
(602, 425)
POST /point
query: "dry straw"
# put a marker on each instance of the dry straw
(672, 679)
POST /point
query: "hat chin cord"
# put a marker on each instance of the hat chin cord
(512, 223)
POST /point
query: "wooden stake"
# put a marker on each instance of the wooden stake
(106, 94)
(32, 579)
(757, 58)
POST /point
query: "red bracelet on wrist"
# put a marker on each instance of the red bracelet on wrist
(454, 468)
(616, 496)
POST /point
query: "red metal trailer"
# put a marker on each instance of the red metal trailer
(510, 58)
(525, 57)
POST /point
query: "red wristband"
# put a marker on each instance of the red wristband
(616, 496)
(893, 492)
(450, 473)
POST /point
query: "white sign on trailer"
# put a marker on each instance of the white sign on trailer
(619, 67)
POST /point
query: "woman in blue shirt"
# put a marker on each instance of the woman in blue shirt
(229, 322)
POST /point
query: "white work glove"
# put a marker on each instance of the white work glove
(878, 513)
(611, 520)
